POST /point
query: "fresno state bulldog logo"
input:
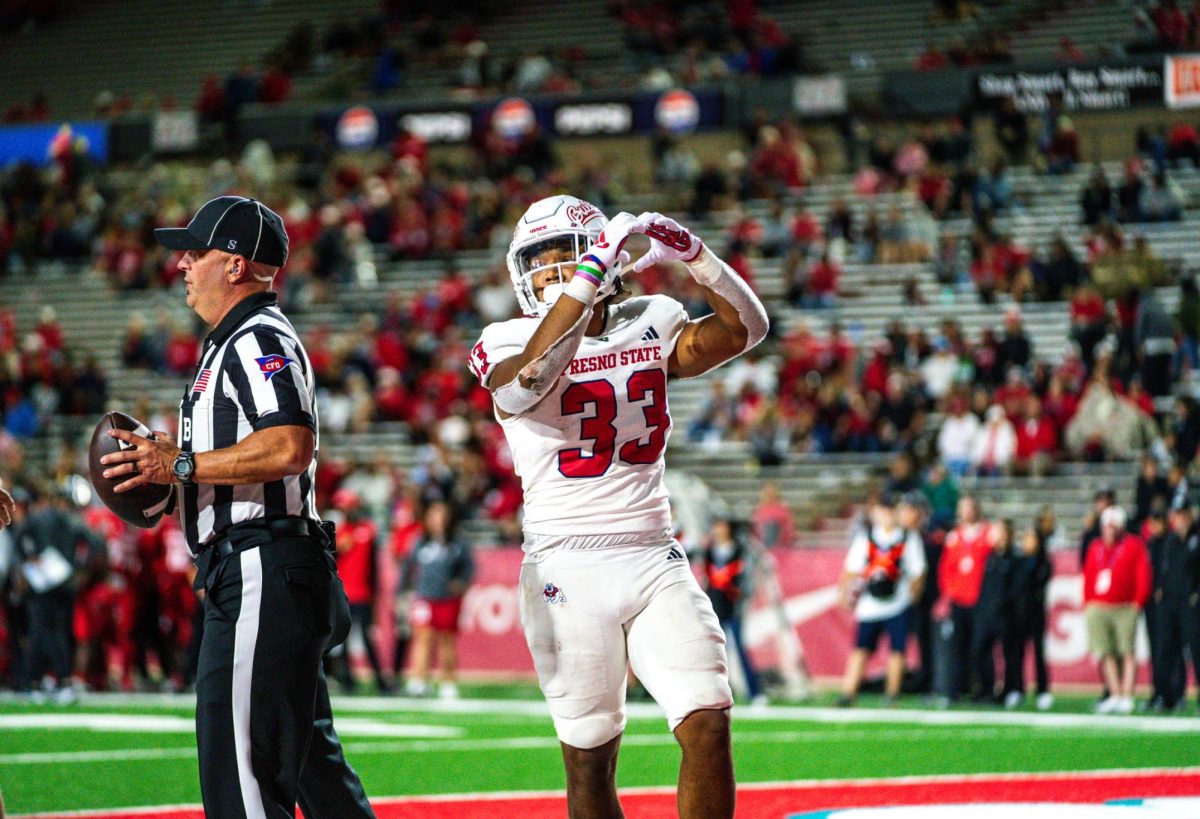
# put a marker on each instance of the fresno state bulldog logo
(271, 365)
(680, 239)
(552, 595)
(582, 213)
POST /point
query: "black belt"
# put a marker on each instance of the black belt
(248, 535)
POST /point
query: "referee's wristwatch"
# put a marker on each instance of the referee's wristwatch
(184, 467)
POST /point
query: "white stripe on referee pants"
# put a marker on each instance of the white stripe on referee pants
(245, 637)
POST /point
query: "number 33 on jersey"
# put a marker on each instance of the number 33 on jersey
(590, 454)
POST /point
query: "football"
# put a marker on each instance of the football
(141, 507)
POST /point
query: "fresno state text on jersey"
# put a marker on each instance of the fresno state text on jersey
(590, 454)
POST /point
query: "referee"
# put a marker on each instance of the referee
(244, 467)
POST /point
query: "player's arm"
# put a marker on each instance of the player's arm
(739, 320)
(520, 382)
(266, 455)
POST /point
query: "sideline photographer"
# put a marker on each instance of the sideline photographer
(884, 573)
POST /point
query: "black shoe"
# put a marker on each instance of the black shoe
(845, 702)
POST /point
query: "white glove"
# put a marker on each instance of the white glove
(671, 242)
(606, 255)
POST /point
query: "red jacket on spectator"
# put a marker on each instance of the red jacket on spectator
(182, 353)
(52, 335)
(1172, 25)
(1127, 564)
(355, 555)
(1087, 307)
(806, 228)
(823, 279)
(389, 351)
(960, 572)
(1036, 435)
(276, 86)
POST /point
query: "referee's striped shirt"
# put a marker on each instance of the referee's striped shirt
(253, 374)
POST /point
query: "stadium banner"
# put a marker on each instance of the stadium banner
(678, 110)
(1181, 86)
(174, 132)
(492, 640)
(819, 96)
(40, 144)
(1095, 87)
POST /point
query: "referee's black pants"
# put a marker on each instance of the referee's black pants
(264, 727)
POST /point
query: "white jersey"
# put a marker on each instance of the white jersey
(590, 454)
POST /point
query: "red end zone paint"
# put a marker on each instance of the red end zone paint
(776, 800)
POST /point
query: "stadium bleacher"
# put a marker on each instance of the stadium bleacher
(90, 311)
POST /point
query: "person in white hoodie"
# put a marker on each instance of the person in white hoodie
(956, 438)
(994, 445)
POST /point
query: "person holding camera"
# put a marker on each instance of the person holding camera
(884, 573)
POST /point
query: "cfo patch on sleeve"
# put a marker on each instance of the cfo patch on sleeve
(272, 365)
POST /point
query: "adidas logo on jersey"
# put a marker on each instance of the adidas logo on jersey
(675, 554)
(650, 335)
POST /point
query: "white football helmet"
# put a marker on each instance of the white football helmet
(554, 223)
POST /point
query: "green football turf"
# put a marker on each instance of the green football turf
(61, 768)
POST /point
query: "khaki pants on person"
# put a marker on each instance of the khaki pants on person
(1112, 628)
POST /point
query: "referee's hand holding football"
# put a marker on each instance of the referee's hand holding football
(149, 461)
(265, 455)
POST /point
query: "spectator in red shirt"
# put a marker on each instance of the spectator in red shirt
(181, 353)
(357, 539)
(1062, 150)
(960, 578)
(1089, 322)
(1171, 23)
(210, 104)
(776, 163)
(1068, 51)
(1116, 585)
(820, 288)
(1037, 440)
(50, 330)
(276, 86)
(931, 59)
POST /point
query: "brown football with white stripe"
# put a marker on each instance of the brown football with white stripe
(142, 506)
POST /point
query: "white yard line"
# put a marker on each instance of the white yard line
(547, 742)
(649, 710)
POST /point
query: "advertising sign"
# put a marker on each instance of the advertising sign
(819, 96)
(1181, 86)
(40, 143)
(1099, 87)
(492, 640)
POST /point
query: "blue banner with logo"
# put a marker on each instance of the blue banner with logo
(678, 110)
(41, 143)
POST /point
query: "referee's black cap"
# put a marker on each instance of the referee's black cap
(233, 224)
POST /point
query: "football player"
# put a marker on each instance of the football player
(580, 388)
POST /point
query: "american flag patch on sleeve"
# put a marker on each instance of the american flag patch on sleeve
(202, 381)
